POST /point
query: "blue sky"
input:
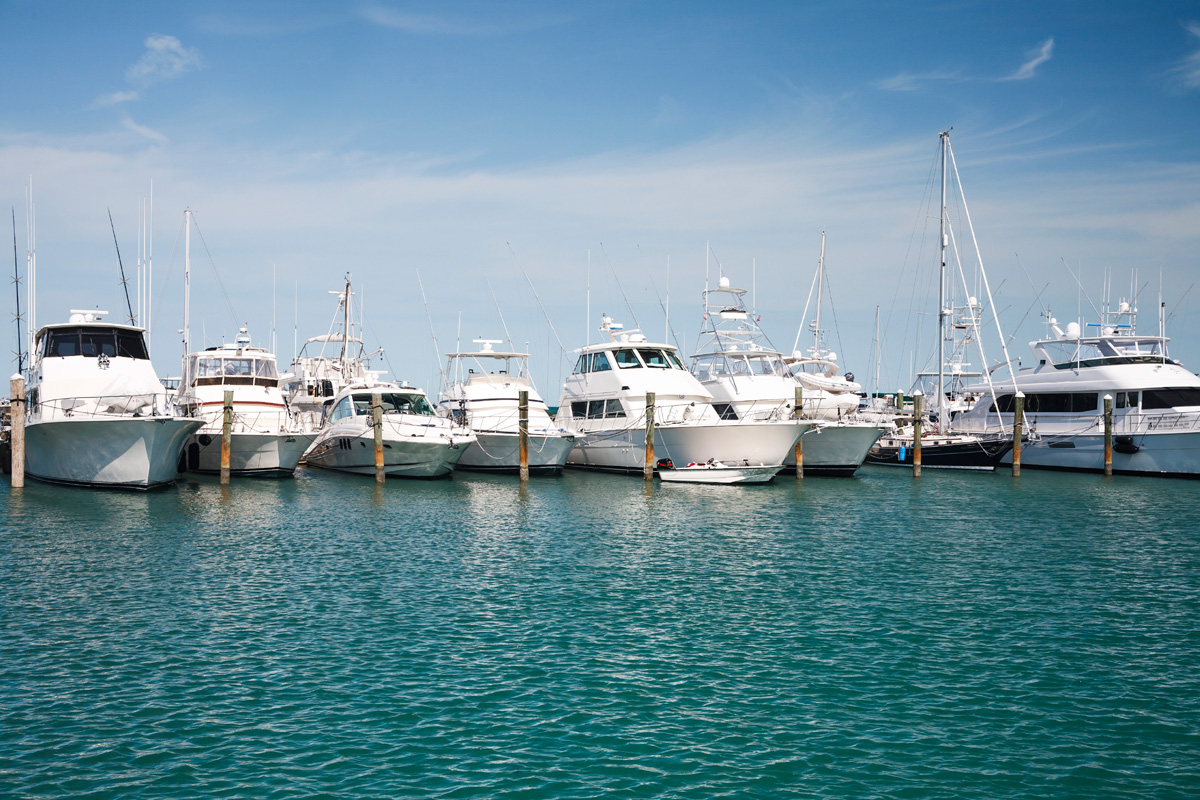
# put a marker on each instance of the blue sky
(467, 140)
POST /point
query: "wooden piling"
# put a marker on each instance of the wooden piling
(523, 432)
(226, 436)
(800, 441)
(1018, 426)
(917, 398)
(1108, 433)
(377, 424)
(648, 467)
(16, 440)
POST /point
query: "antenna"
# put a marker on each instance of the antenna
(538, 298)
(436, 352)
(17, 285)
(636, 324)
(124, 283)
(503, 324)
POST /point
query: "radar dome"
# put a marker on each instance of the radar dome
(1072, 330)
(724, 282)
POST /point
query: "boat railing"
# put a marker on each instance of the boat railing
(101, 406)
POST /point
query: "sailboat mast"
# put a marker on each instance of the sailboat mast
(187, 280)
(941, 388)
(820, 291)
(346, 326)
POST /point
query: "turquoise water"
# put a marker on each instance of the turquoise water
(964, 636)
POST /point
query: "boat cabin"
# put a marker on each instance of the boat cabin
(91, 341)
(392, 402)
(215, 367)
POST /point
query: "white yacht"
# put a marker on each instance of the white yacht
(483, 395)
(416, 442)
(749, 380)
(1156, 401)
(604, 401)
(265, 439)
(97, 413)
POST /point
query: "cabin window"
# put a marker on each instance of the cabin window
(725, 410)
(581, 365)
(1050, 403)
(595, 409)
(393, 403)
(655, 358)
(613, 408)
(342, 410)
(579, 409)
(1170, 398)
(265, 368)
(626, 359)
(63, 343)
(130, 344)
(600, 362)
(674, 359)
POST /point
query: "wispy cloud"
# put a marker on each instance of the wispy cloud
(1188, 69)
(142, 130)
(1035, 58)
(913, 81)
(438, 25)
(165, 58)
(114, 99)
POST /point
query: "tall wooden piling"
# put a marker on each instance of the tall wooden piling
(917, 398)
(16, 440)
(377, 424)
(799, 442)
(226, 436)
(1018, 431)
(1108, 433)
(523, 433)
(648, 467)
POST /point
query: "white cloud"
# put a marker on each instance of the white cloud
(165, 58)
(433, 24)
(912, 82)
(142, 130)
(116, 98)
(1036, 57)
(1189, 68)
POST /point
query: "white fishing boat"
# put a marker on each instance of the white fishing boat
(483, 395)
(265, 438)
(97, 414)
(416, 442)
(749, 381)
(604, 403)
(713, 471)
(1155, 399)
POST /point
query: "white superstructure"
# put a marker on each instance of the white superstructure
(265, 438)
(416, 442)
(482, 394)
(1156, 401)
(604, 400)
(97, 413)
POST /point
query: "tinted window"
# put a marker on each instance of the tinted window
(579, 409)
(675, 360)
(63, 343)
(96, 343)
(655, 358)
(613, 408)
(626, 359)
(600, 363)
(581, 365)
(1170, 398)
(130, 344)
(595, 409)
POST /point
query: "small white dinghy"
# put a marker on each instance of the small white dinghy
(713, 471)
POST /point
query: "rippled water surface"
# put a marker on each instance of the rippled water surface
(964, 636)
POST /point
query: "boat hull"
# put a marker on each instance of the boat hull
(719, 475)
(733, 443)
(1162, 454)
(500, 452)
(982, 453)
(120, 453)
(835, 450)
(258, 454)
(407, 458)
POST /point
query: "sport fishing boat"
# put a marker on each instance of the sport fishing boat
(416, 442)
(97, 414)
(265, 438)
(483, 396)
(958, 328)
(1155, 400)
(604, 403)
(749, 381)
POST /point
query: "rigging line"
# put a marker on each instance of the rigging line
(437, 353)
(499, 313)
(804, 318)
(362, 316)
(537, 298)
(1177, 302)
(17, 285)
(636, 324)
(1036, 300)
(233, 317)
(166, 281)
(124, 282)
(663, 306)
(1081, 289)
(1032, 285)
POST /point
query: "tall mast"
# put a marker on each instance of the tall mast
(941, 388)
(187, 281)
(820, 291)
(346, 327)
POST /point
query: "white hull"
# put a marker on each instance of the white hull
(719, 475)
(122, 452)
(500, 452)
(836, 449)
(1170, 453)
(735, 443)
(412, 458)
(267, 454)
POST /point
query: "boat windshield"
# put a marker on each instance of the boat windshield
(94, 342)
(234, 371)
(394, 403)
(662, 359)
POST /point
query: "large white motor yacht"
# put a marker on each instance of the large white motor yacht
(97, 413)
(604, 401)
(265, 438)
(1156, 401)
(483, 395)
(749, 381)
(416, 442)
